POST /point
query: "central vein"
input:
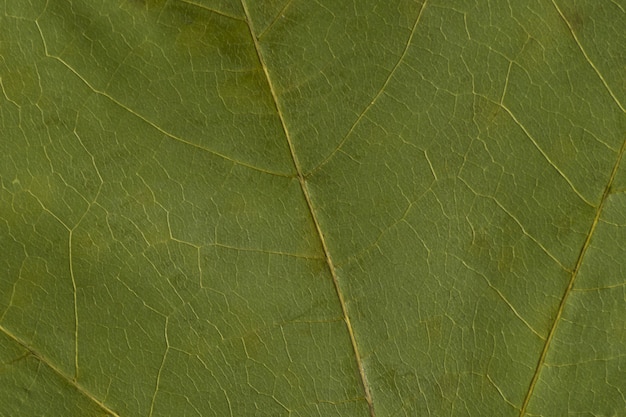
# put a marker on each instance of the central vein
(307, 197)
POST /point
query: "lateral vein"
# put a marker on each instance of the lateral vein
(570, 285)
(589, 61)
(146, 119)
(58, 372)
(380, 91)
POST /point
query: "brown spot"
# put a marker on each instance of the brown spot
(575, 20)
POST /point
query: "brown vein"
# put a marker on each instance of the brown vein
(570, 285)
(60, 374)
(307, 197)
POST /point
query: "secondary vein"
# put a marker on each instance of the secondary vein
(69, 380)
(145, 119)
(570, 285)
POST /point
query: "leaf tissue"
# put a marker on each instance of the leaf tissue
(312, 208)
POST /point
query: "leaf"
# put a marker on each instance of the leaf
(294, 208)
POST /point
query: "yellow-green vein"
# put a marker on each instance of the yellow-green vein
(570, 285)
(307, 197)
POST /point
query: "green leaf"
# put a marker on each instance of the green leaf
(299, 208)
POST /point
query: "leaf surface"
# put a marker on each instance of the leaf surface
(295, 208)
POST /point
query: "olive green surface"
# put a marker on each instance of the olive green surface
(312, 208)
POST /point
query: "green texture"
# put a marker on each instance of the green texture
(312, 208)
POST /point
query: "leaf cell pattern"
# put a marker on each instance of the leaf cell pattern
(295, 208)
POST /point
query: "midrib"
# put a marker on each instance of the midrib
(311, 207)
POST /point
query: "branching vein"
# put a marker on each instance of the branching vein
(580, 46)
(546, 156)
(376, 96)
(276, 18)
(148, 121)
